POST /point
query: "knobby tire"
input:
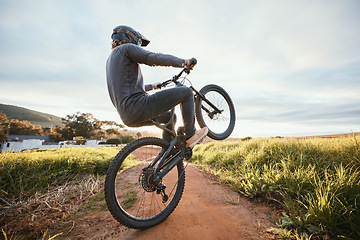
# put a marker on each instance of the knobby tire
(222, 124)
(130, 197)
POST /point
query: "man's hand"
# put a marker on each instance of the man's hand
(190, 63)
(156, 85)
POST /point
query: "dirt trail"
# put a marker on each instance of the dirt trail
(206, 211)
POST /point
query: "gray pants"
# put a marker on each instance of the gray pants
(161, 102)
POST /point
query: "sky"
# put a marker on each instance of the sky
(292, 68)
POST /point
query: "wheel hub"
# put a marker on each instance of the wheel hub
(147, 180)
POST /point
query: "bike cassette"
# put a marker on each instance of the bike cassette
(147, 180)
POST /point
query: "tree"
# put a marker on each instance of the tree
(55, 134)
(80, 124)
(17, 127)
(99, 134)
(112, 128)
(3, 137)
(112, 124)
(3, 127)
(25, 127)
(127, 139)
(3, 118)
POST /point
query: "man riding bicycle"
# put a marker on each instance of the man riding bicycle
(128, 92)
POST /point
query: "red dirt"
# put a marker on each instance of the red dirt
(207, 210)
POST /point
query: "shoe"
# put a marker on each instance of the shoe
(197, 137)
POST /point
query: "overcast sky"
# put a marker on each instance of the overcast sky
(292, 68)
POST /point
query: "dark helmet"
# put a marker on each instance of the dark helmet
(128, 34)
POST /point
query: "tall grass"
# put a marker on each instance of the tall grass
(316, 180)
(22, 174)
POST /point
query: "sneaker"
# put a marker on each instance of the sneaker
(197, 137)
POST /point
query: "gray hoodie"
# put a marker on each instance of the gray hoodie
(125, 81)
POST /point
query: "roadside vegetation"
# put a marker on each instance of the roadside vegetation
(81, 126)
(25, 173)
(317, 181)
(42, 189)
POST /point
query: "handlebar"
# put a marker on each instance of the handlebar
(175, 78)
(187, 69)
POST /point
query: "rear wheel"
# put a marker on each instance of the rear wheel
(132, 196)
(218, 114)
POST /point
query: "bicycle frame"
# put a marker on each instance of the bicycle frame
(165, 163)
(197, 94)
(168, 164)
(211, 114)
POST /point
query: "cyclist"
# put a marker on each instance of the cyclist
(128, 92)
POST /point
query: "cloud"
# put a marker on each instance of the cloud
(294, 62)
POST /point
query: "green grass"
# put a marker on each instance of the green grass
(129, 199)
(316, 180)
(22, 174)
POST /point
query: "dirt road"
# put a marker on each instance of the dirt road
(207, 210)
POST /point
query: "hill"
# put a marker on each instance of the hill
(35, 117)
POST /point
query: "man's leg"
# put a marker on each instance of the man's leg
(165, 100)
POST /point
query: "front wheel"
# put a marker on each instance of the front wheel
(132, 196)
(216, 111)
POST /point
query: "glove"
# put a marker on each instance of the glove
(156, 85)
(189, 64)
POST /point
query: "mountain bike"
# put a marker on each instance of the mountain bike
(146, 179)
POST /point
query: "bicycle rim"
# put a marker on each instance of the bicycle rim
(220, 125)
(131, 196)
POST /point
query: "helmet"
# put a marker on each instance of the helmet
(128, 34)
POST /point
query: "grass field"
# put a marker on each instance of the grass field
(22, 174)
(42, 189)
(316, 180)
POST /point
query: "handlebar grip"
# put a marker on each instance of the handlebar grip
(193, 61)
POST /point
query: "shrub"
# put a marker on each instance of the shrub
(115, 141)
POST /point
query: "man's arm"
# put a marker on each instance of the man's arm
(140, 55)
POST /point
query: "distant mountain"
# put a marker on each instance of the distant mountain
(35, 117)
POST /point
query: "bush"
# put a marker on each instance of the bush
(80, 141)
(115, 141)
(127, 139)
(122, 140)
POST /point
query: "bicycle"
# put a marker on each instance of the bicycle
(141, 187)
